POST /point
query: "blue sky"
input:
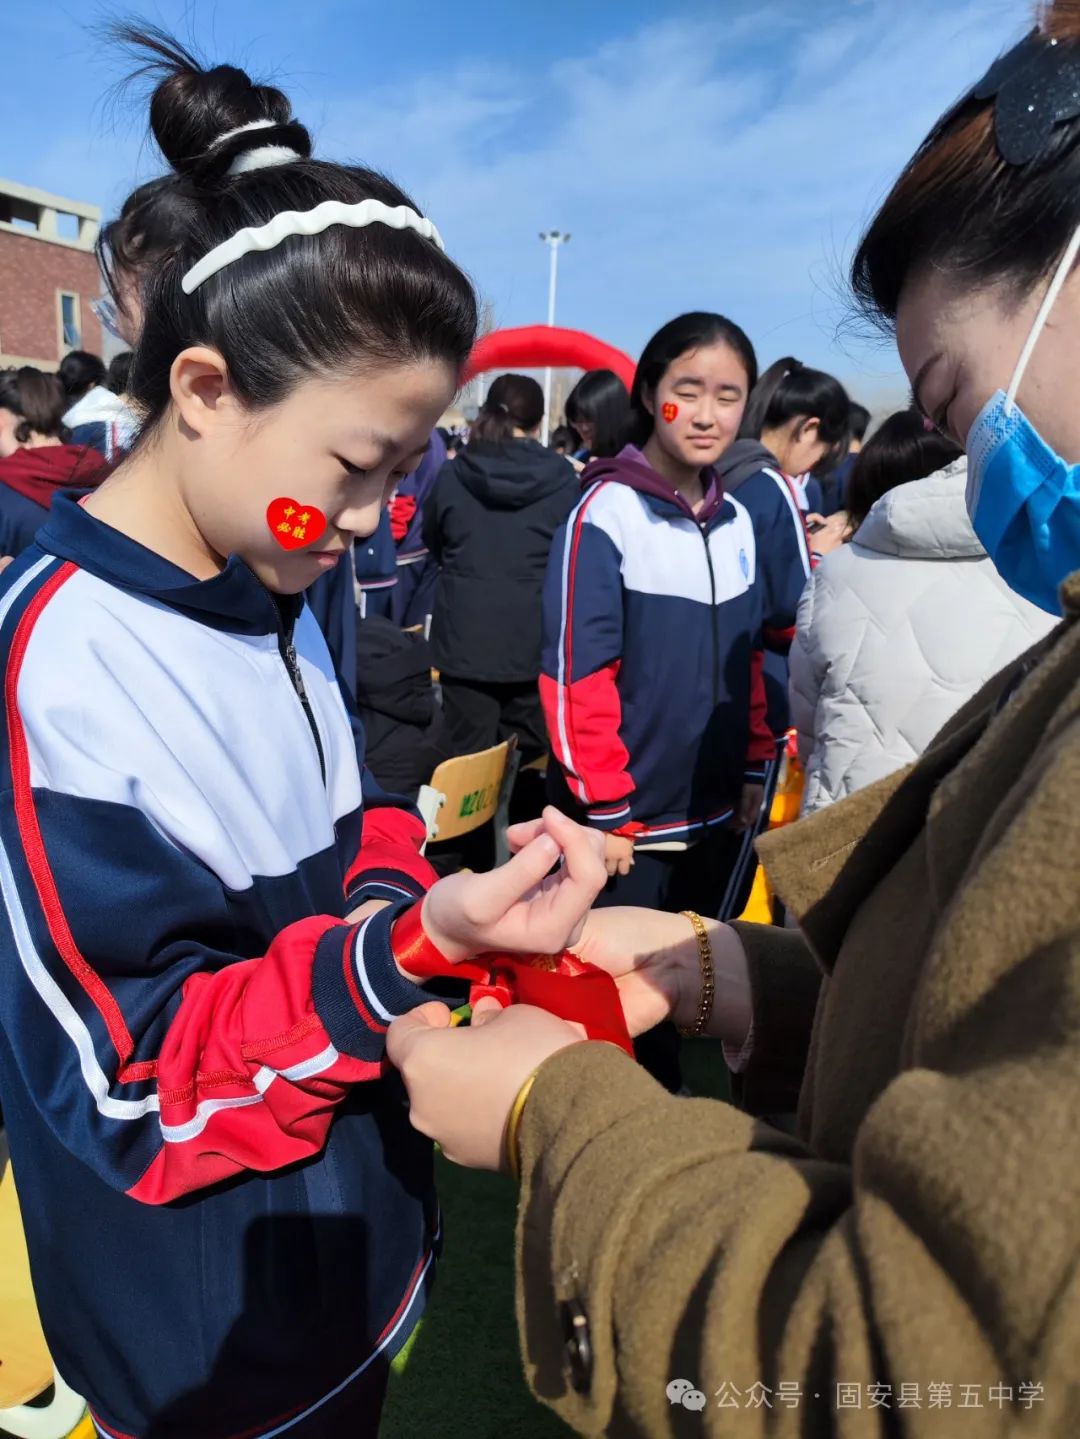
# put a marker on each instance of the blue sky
(714, 155)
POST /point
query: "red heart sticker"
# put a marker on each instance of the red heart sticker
(294, 525)
(669, 411)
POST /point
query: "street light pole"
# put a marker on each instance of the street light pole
(553, 239)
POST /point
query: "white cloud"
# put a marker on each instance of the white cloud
(697, 163)
(701, 160)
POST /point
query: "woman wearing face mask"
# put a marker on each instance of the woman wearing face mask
(199, 953)
(917, 1244)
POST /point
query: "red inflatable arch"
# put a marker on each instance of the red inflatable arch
(532, 347)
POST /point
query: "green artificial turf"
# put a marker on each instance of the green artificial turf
(460, 1377)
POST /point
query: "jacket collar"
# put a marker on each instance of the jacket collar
(235, 600)
(630, 467)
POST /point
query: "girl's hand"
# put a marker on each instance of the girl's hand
(749, 807)
(462, 1082)
(618, 854)
(521, 907)
(832, 533)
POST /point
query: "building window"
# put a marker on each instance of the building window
(70, 324)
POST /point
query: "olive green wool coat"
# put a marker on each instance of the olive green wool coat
(923, 1229)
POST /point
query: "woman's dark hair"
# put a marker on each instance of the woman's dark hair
(688, 332)
(513, 402)
(601, 399)
(903, 448)
(787, 391)
(313, 305)
(79, 372)
(565, 439)
(119, 372)
(960, 206)
(858, 421)
(38, 399)
(151, 223)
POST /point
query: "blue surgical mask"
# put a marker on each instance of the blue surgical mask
(1023, 498)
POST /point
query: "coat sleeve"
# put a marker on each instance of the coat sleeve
(389, 862)
(168, 1046)
(581, 657)
(807, 670)
(785, 558)
(936, 1246)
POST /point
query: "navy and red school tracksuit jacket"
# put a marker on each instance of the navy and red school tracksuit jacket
(750, 473)
(652, 679)
(230, 1221)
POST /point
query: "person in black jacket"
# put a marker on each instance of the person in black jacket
(405, 729)
(489, 522)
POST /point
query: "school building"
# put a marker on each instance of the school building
(48, 277)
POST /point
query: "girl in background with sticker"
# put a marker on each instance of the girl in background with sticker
(653, 610)
(202, 894)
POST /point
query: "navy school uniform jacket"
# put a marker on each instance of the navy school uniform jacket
(228, 1214)
(651, 680)
(750, 472)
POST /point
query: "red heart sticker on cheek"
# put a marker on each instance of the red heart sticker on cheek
(294, 525)
(669, 411)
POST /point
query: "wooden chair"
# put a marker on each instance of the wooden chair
(27, 1372)
(467, 791)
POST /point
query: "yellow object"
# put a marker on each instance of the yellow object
(513, 1124)
(26, 1367)
(464, 793)
(787, 802)
(708, 982)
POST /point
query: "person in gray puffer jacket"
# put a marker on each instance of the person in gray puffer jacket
(895, 631)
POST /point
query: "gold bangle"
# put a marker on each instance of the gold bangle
(708, 980)
(513, 1125)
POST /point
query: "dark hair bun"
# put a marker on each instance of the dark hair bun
(193, 108)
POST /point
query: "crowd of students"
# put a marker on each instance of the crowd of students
(234, 1089)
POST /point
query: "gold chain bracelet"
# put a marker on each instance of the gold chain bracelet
(513, 1125)
(708, 980)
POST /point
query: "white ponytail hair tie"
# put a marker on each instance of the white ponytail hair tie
(262, 158)
(306, 222)
(242, 130)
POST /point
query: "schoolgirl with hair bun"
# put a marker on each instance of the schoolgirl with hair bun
(231, 1223)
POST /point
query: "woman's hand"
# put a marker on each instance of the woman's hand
(521, 907)
(655, 962)
(653, 957)
(462, 1082)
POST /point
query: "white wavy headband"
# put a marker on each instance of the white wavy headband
(306, 222)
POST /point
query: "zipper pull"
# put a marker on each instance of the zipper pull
(294, 669)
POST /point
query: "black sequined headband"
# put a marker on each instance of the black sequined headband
(1035, 86)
